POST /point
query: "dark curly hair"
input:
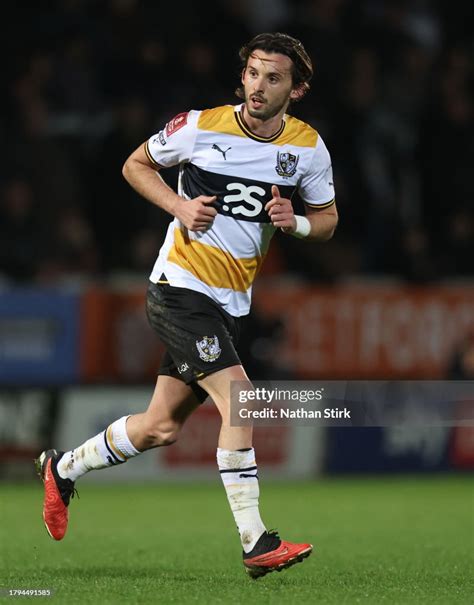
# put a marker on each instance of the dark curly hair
(302, 68)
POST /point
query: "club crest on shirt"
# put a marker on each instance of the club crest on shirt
(286, 164)
(208, 348)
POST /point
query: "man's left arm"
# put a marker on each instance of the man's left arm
(318, 224)
(323, 223)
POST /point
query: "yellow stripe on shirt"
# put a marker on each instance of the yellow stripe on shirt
(214, 267)
(297, 133)
(221, 120)
(225, 120)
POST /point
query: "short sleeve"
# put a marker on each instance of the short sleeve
(316, 188)
(175, 143)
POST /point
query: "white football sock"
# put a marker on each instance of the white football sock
(108, 448)
(238, 470)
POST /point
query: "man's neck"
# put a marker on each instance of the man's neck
(261, 128)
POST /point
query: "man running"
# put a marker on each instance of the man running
(238, 169)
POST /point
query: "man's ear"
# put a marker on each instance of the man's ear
(242, 75)
(298, 93)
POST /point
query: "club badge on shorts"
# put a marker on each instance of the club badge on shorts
(208, 348)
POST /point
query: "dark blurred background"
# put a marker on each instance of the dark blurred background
(390, 297)
(85, 82)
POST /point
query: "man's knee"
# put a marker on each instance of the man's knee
(161, 434)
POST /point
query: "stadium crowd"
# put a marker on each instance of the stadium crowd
(87, 80)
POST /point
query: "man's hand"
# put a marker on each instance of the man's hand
(281, 212)
(196, 214)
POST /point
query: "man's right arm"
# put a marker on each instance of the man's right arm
(196, 214)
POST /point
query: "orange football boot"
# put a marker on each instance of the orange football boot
(57, 493)
(272, 554)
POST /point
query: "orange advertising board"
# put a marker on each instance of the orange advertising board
(345, 332)
(117, 344)
(368, 332)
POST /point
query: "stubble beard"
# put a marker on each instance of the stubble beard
(266, 112)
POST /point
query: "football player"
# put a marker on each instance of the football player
(238, 169)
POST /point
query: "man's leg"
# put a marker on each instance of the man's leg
(263, 551)
(171, 404)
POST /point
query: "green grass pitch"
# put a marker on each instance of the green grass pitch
(379, 540)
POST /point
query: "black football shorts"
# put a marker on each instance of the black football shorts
(199, 336)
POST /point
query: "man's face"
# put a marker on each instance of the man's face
(267, 84)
